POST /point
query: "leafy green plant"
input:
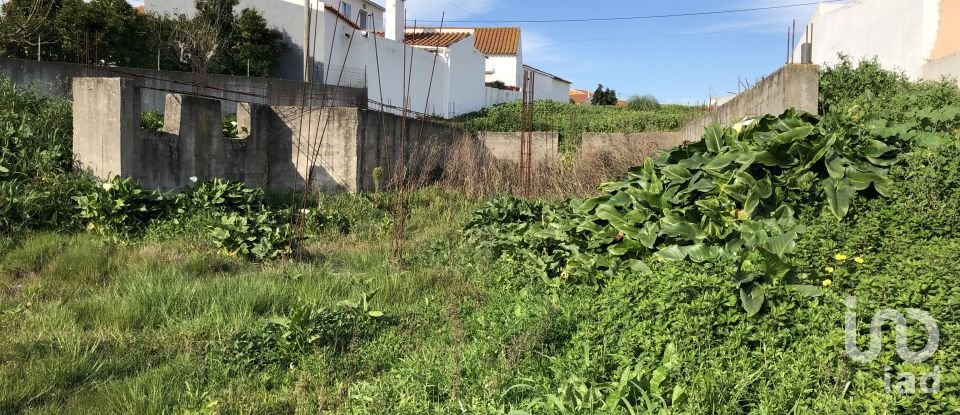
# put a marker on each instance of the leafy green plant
(152, 121)
(637, 390)
(121, 206)
(230, 128)
(283, 340)
(223, 195)
(257, 235)
(727, 196)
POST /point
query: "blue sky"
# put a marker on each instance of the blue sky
(683, 59)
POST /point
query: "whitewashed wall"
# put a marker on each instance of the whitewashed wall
(466, 74)
(900, 33)
(496, 96)
(550, 88)
(506, 69)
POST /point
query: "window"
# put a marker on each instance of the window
(362, 20)
(346, 10)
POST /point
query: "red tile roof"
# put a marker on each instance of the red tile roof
(487, 40)
(434, 39)
(498, 40)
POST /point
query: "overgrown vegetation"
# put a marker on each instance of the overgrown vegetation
(571, 120)
(534, 308)
(112, 32)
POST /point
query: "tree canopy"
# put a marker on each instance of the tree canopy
(604, 96)
(112, 32)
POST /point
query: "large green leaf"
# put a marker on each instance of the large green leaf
(752, 297)
(713, 137)
(672, 253)
(838, 194)
(782, 244)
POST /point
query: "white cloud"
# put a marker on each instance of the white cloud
(454, 9)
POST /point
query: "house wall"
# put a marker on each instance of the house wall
(466, 67)
(550, 88)
(506, 69)
(284, 15)
(948, 34)
(902, 34)
(496, 96)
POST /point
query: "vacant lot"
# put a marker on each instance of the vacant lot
(715, 279)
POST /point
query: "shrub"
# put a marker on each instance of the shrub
(644, 103)
(257, 235)
(282, 341)
(152, 121)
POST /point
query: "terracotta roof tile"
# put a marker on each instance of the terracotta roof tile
(434, 39)
(498, 40)
(345, 19)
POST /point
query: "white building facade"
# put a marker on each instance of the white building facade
(914, 36)
(443, 76)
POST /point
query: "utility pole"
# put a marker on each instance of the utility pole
(306, 41)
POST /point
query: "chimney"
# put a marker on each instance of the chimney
(396, 20)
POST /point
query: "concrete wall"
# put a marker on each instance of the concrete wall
(793, 86)
(506, 146)
(948, 66)
(548, 87)
(282, 147)
(598, 143)
(56, 79)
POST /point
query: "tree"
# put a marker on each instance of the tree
(604, 96)
(254, 47)
(644, 103)
(26, 25)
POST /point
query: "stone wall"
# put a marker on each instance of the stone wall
(281, 147)
(793, 86)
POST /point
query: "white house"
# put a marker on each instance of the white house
(919, 37)
(548, 86)
(440, 72)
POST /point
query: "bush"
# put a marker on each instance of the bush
(571, 120)
(644, 103)
(152, 121)
(36, 157)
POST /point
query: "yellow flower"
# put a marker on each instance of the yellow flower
(826, 283)
(829, 270)
(840, 257)
(859, 260)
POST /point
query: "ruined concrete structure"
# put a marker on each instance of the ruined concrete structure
(274, 150)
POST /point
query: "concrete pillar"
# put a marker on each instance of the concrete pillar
(106, 124)
(201, 138)
(253, 122)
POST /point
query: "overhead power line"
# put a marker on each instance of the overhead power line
(646, 17)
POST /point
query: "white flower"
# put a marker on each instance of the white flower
(193, 179)
(305, 211)
(108, 186)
